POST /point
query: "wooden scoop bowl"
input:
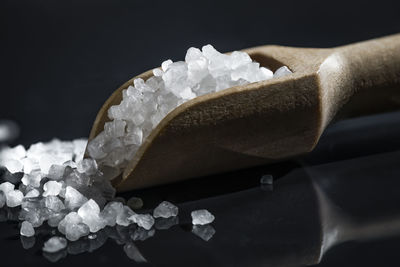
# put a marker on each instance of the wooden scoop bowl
(266, 121)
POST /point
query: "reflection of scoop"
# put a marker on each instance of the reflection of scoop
(265, 121)
(295, 224)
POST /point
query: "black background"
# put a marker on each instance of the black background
(60, 60)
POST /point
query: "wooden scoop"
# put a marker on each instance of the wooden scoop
(264, 121)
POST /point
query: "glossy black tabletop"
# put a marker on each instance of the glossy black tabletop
(337, 205)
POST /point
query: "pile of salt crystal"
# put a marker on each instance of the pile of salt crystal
(71, 193)
(146, 103)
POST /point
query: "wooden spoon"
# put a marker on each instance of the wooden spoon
(265, 121)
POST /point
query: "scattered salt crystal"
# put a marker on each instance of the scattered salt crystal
(55, 244)
(54, 203)
(73, 227)
(27, 229)
(143, 220)
(56, 172)
(88, 166)
(202, 217)
(13, 165)
(135, 203)
(32, 179)
(32, 193)
(6, 187)
(123, 216)
(165, 210)
(73, 198)
(282, 71)
(165, 64)
(205, 232)
(267, 179)
(110, 212)
(52, 188)
(90, 214)
(14, 198)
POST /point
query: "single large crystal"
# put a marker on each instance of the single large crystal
(54, 203)
(54, 244)
(88, 166)
(202, 217)
(27, 229)
(110, 212)
(124, 215)
(73, 198)
(143, 220)
(14, 198)
(165, 210)
(52, 188)
(73, 227)
(6, 187)
(90, 214)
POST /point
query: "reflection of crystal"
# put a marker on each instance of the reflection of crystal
(133, 253)
(54, 257)
(205, 232)
(28, 242)
(142, 234)
(166, 223)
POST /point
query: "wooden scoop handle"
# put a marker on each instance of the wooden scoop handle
(369, 76)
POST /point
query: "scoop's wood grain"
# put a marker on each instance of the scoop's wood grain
(266, 121)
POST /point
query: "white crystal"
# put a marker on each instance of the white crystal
(90, 214)
(143, 220)
(32, 179)
(14, 198)
(88, 166)
(27, 229)
(202, 217)
(124, 215)
(73, 198)
(32, 193)
(56, 172)
(6, 187)
(165, 64)
(73, 227)
(110, 212)
(12, 165)
(55, 244)
(54, 203)
(282, 71)
(165, 210)
(17, 153)
(79, 148)
(51, 188)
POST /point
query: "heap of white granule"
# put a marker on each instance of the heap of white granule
(52, 183)
(146, 103)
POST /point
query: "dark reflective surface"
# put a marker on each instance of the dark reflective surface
(326, 208)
